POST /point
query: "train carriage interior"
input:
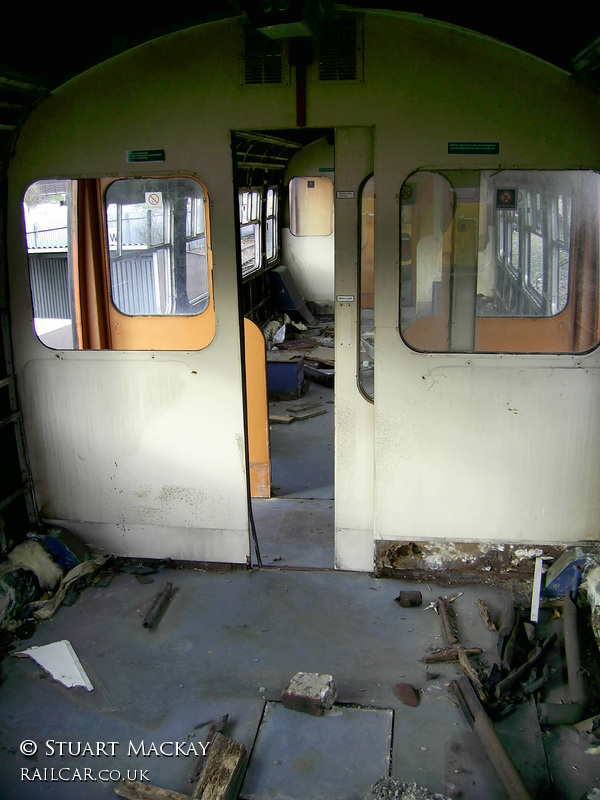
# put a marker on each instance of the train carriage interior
(299, 394)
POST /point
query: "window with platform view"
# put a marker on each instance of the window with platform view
(103, 268)
(157, 246)
(500, 262)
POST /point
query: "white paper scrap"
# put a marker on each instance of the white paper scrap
(61, 662)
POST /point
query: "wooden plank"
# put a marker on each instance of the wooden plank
(324, 355)
(308, 413)
(450, 655)
(282, 419)
(284, 356)
(134, 790)
(223, 768)
(469, 671)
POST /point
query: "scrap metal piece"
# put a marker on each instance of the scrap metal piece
(573, 711)
(537, 587)
(536, 682)
(409, 599)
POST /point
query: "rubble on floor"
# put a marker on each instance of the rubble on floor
(389, 789)
(523, 669)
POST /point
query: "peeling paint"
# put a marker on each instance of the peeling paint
(393, 558)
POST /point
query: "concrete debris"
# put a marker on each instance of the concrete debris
(310, 692)
(389, 789)
(407, 694)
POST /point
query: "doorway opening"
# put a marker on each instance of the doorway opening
(284, 193)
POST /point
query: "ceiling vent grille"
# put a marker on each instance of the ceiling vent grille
(263, 59)
(340, 51)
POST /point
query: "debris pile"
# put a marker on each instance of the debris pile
(389, 789)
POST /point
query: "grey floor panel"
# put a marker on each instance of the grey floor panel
(337, 756)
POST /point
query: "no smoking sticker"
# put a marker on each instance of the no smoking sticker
(154, 199)
(506, 198)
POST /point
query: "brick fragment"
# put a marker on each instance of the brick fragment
(310, 692)
(407, 694)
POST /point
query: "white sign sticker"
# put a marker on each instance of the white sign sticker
(345, 298)
(154, 200)
(345, 195)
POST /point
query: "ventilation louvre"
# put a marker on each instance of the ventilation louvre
(263, 62)
(338, 51)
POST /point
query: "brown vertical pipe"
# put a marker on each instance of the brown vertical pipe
(301, 95)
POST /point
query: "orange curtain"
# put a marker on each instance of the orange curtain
(90, 269)
(585, 253)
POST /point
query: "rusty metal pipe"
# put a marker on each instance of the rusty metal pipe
(574, 709)
(157, 607)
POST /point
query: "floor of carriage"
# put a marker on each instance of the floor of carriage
(229, 643)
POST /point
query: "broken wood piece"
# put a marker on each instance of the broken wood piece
(302, 405)
(450, 655)
(134, 790)
(216, 726)
(469, 671)
(503, 686)
(158, 606)
(223, 768)
(449, 633)
(308, 413)
(322, 354)
(281, 419)
(486, 616)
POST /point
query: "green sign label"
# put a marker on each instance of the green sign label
(136, 156)
(473, 148)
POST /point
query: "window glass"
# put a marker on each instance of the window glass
(311, 206)
(142, 246)
(271, 227)
(47, 210)
(157, 246)
(250, 216)
(500, 261)
(367, 263)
